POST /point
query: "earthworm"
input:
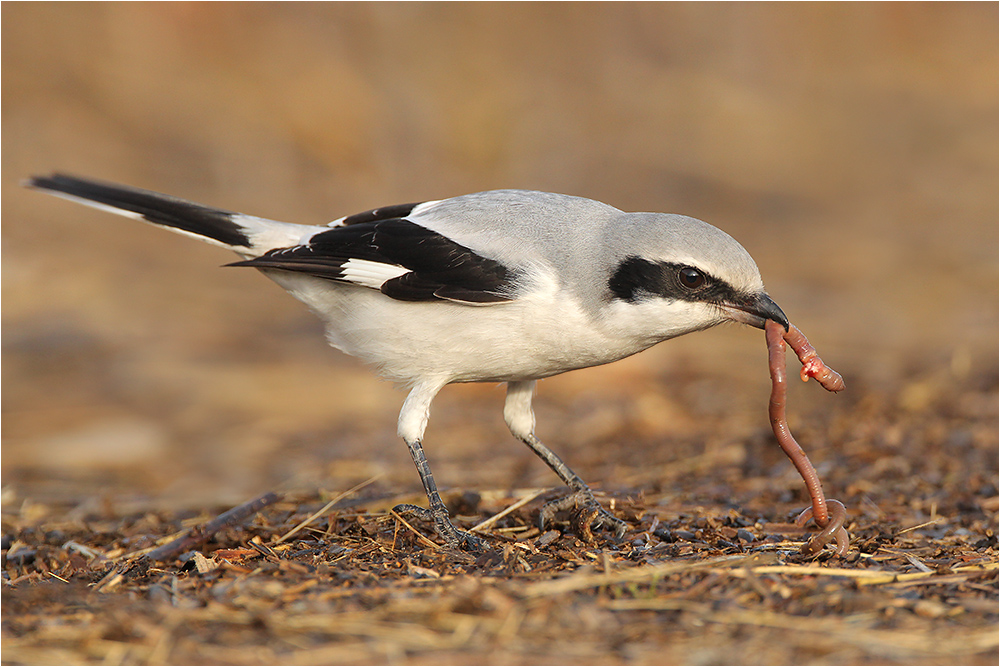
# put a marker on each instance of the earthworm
(812, 365)
(835, 529)
(831, 523)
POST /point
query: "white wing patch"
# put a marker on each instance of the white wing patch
(370, 274)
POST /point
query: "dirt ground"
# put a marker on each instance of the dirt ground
(852, 149)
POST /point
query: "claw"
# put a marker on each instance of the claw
(589, 515)
(446, 530)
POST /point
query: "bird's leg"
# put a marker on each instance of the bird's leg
(412, 422)
(582, 498)
(520, 420)
(438, 513)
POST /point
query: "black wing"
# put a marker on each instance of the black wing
(378, 214)
(420, 264)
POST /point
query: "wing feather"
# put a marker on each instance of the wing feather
(404, 260)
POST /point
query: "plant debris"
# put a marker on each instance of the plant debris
(708, 572)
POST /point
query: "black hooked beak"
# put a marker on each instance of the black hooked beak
(755, 311)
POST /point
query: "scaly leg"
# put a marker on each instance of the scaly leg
(520, 420)
(412, 423)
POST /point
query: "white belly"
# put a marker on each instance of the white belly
(528, 338)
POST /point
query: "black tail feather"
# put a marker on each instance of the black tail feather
(152, 206)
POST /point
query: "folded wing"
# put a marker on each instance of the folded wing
(400, 258)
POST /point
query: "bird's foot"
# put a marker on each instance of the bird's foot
(446, 530)
(588, 514)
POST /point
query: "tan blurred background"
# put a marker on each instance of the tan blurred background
(852, 148)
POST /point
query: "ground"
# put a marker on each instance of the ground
(851, 148)
(709, 571)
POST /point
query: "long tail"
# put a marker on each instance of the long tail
(247, 235)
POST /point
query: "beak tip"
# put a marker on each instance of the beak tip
(756, 311)
(765, 308)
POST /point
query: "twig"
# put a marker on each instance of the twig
(326, 507)
(922, 525)
(496, 517)
(231, 517)
(871, 577)
(414, 530)
(579, 582)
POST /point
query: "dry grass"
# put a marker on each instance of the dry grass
(310, 581)
(710, 571)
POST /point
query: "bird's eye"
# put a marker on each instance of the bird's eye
(691, 278)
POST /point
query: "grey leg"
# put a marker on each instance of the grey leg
(520, 420)
(412, 422)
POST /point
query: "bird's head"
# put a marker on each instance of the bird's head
(689, 276)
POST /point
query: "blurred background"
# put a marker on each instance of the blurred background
(851, 148)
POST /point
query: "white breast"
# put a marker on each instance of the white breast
(535, 336)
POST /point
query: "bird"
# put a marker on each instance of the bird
(502, 286)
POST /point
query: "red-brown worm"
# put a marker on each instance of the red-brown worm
(834, 529)
(831, 523)
(812, 365)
